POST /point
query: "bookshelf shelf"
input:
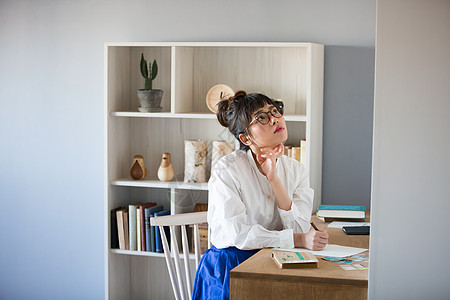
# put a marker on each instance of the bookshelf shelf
(209, 116)
(164, 115)
(145, 253)
(160, 184)
(292, 72)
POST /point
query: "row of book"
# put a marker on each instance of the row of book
(131, 229)
(297, 153)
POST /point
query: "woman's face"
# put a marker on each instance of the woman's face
(271, 134)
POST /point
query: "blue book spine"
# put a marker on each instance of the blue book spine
(342, 207)
(152, 236)
(149, 230)
(158, 242)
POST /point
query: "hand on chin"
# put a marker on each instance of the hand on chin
(271, 151)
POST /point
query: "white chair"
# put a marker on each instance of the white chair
(182, 286)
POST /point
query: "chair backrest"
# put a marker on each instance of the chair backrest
(182, 287)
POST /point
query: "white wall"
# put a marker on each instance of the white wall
(410, 242)
(51, 116)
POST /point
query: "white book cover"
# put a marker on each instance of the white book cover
(120, 229)
(138, 229)
(303, 151)
(132, 226)
(341, 214)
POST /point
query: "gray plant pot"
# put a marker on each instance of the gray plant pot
(150, 100)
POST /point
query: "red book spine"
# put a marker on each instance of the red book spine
(142, 222)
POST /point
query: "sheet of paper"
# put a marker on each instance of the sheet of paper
(340, 224)
(353, 267)
(330, 250)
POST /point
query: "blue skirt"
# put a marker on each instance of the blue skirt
(212, 280)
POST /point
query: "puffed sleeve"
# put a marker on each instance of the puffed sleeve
(299, 216)
(228, 221)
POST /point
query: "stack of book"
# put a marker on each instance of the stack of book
(131, 230)
(341, 212)
(202, 228)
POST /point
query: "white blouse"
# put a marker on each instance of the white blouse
(242, 210)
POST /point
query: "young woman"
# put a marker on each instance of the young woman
(258, 198)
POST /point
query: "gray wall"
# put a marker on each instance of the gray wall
(411, 162)
(51, 94)
(347, 123)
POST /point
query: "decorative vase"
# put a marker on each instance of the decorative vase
(220, 149)
(138, 170)
(150, 100)
(165, 171)
(194, 161)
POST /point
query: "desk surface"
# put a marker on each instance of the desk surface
(261, 268)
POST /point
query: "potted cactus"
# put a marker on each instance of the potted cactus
(149, 98)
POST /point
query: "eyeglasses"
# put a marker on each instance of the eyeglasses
(263, 117)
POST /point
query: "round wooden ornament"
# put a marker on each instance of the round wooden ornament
(216, 94)
(138, 170)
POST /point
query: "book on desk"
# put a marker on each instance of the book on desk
(341, 212)
(293, 260)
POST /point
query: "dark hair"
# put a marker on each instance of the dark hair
(236, 112)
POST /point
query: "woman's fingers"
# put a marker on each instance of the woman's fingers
(318, 247)
(320, 243)
(320, 239)
(322, 233)
(279, 150)
(276, 152)
(267, 150)
(267, 155)
(262, 159)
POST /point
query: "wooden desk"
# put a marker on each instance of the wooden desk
(260, 278)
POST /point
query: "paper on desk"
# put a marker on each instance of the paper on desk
(329, 250)
(340, 224)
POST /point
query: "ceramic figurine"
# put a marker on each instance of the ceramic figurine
(138, 170)
(219, 149)
(195, 161)
(165, 171)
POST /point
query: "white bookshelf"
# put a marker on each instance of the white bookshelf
(292, 72)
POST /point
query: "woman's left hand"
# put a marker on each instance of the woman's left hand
(268, 160)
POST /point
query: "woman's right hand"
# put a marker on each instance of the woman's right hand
(267, 159)
(312, 240)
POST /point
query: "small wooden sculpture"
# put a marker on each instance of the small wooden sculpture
(219, 149)
(138, 170)
(165, 171)
(195, 161)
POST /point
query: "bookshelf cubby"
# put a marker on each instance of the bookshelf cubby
(292, 72)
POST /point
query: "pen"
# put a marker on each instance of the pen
(314, 225)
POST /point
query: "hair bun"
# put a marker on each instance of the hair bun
(224, 106)
(239, 94)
